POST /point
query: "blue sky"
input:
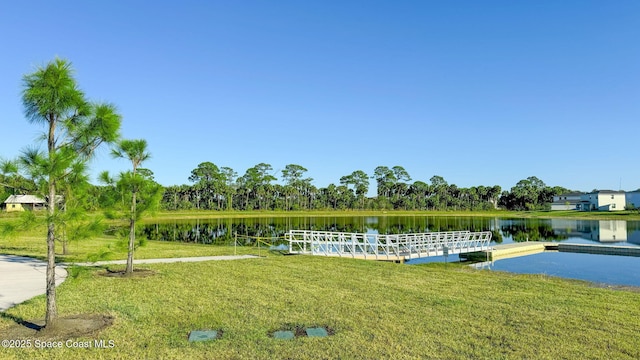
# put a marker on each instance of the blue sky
(478, 92)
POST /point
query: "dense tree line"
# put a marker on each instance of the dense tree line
(530, 194)
(220, 188)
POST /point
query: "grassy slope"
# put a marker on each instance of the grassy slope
(378, 310)
(105, 248)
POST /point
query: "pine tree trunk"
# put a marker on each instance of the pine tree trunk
(132, 236)
(52, 309)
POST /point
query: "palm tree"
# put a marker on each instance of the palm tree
(136, 152)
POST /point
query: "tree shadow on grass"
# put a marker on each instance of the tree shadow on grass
(120, 273)
(67, 327)
(20, 321)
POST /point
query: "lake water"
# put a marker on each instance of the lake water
(597, 268)
(609, 269)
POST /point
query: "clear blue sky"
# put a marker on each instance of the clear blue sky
(479, 92)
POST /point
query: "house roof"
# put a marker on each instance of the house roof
(608, 192)
(24, 199)
(575, 193)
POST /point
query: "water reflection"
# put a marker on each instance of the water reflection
(597, 230)
(530, 230)
(247, 230)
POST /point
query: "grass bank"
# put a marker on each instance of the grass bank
(578, 215)
(378, 311)
(33, 244)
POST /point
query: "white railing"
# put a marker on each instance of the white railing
(386, 247)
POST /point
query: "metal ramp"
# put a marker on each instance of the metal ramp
(395, 247)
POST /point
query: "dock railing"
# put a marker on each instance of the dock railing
(386, 246)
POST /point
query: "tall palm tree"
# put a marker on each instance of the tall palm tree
(136, 152)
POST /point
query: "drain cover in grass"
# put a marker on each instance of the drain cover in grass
(316, 332)
(284, 335)
(203, 335)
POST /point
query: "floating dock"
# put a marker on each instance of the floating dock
(600, 249)
(507, 251)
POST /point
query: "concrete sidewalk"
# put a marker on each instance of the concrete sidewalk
(168, 260)
(22, 278)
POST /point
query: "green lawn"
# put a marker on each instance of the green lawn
(378, 310)
(33, 243)
(105, 248)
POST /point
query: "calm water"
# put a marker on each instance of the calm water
(597, 268)
(619, 270)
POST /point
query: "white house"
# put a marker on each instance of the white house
(568, 201)
(633, 199)
(603, 200)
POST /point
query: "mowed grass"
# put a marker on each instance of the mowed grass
(33, 243)
(377, 310)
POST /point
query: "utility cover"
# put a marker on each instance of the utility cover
(284, 335)
(317, 332)
(202, 335)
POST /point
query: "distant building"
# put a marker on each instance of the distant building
(568, 201)
(603, 200)
(24, 202)
(633, 199)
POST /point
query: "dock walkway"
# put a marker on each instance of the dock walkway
(386, 247)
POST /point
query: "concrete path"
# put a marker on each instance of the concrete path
(168, 260)
(22, 278)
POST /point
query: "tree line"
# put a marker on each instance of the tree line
(221, 188)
